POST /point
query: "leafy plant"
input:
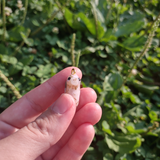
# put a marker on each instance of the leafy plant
(118, 46)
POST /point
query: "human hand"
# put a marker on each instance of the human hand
(46, 125)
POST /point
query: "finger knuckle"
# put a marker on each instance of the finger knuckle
(39, 126)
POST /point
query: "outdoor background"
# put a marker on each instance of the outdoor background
(118, 44)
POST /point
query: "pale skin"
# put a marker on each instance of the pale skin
(46, 125)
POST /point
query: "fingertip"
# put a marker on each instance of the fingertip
(99, 111)
(82, 138)
(87, 95)
(63, 104)
(92, 93)
(86, 131)
(90, 113)
(95, 111)
(78, 143)
(89, 92)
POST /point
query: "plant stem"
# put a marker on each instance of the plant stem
(25, 11)
(4, 20)
(11, 86)
(146, 47)
(153, 23)
(48, 21)
(72, 49)
(77, 58)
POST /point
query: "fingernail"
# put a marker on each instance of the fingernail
(64, 102)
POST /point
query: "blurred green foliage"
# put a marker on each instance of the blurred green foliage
(110, 35)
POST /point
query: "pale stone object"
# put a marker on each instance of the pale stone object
(73, 86)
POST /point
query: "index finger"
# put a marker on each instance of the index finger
(27, 108)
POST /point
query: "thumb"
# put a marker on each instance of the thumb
(39, 135)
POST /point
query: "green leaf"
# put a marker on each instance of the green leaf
(132, 17)
(13, 69)
(135, 99)
(106, 85)
(88, 50)
(3, 89)
(90, 24)
(156, 98)
(102, 54)
(144, 88)
(124, 157)
(101, 97)
(63, 55)
(106, 128)
(4, 70)
(8, 59)
(64, 58)
(97, 88)
(129, 28)
(134, 43)
(35, 22)
(141, 151)
(115, 80)
(108, 36)
(51, 40)
(3, 102)
(123, 144)
(15, 33)
(131, 128)
(29, 70)
(108, 156)
(43, 70)
(109, 96)
(26, 60)
(69, 17)
(102, 147)
(153, 116)
(112, 82)
(28, 41)
(3, 49)
(144, 79)
(76, 21)
(54, 51)
(73, 20)
(62, 44)
(133, 23)
(100, 16)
